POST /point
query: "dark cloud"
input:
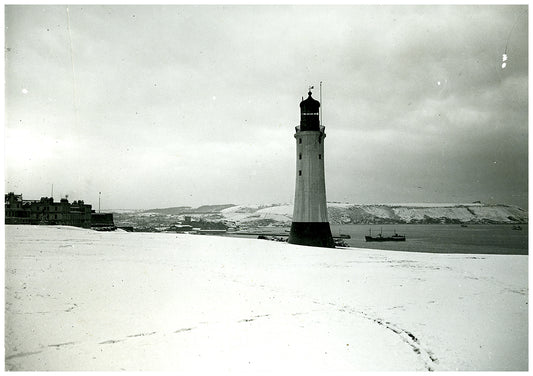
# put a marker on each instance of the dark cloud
(198, 103)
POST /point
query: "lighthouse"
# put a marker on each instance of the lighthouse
(310, 224)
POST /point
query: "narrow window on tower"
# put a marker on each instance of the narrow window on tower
(299, 140)
(299, 172)
(300, 156)
(320, 140)
(319, 156)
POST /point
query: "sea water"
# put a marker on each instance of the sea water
(440, 238)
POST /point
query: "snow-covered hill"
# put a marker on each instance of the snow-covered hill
(385, 213)
(339, 213)
(81, 300)
(428, 213)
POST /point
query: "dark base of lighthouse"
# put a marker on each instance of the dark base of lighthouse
(316, 234)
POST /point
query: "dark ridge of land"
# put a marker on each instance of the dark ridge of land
(173, 210)
(177, 210)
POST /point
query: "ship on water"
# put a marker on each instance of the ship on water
(381, 238)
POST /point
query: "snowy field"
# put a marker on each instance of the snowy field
(79, 300)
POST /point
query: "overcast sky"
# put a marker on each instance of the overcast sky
(158, 106)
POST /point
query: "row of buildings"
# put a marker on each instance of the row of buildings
(47, 212)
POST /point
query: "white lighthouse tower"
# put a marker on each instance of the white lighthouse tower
(310, 224)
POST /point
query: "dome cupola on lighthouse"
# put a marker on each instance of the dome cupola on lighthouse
(309, 114)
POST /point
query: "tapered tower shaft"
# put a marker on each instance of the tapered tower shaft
(310, 224)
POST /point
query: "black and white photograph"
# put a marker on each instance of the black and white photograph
(251, 188)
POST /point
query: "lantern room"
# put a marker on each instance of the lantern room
(309, 114)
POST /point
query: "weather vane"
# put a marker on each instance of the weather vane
(311, 87)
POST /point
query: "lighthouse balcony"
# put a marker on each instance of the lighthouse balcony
(298, 128)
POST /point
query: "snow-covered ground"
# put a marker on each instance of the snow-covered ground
(83, 300)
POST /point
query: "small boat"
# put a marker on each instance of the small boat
(340, 243)
(517, 227)
(344, 236)
(381, 238)
(463, 225)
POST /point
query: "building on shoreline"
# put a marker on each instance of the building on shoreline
(102, 221)
(47, 212)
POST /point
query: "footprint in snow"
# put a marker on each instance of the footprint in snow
(142, 334)
(111, 341)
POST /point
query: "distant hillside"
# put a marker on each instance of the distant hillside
(339, 213)
(386, 214)
(426, 214)
(177, 210)
(210, 208)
